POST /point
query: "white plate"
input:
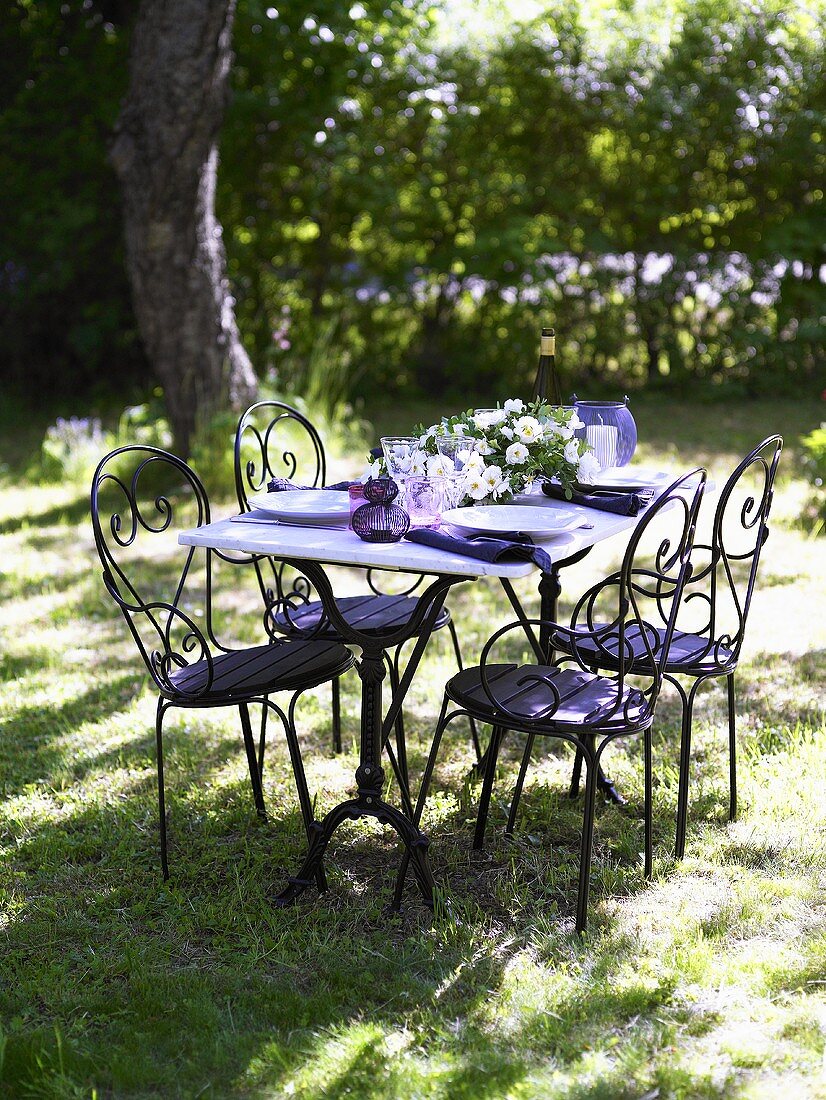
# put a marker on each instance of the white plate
(495, 519)
(316, 506)
(628, 477)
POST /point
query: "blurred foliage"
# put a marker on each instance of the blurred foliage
(404, 207)
(814, 463)
(72, 447)
(66, 324)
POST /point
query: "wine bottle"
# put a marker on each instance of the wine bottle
(546, 386)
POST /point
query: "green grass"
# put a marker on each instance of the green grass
(707, 981)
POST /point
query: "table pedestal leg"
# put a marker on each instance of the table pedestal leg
(368, 802)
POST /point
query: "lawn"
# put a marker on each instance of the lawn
(709, 980)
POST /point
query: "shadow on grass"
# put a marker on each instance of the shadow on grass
(71, 513)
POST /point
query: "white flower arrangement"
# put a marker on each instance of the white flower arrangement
(507, 448)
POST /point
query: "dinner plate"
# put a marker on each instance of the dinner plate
(316, 506)
(497, 519)
(627, 477)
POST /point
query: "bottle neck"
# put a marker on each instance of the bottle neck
(547, 345)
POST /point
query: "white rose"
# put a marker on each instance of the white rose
(514, 405)
(474, 485)
(575, 423)
(489, 418)
(483, 447)
(437, 466)
(506, 431)
(492, 479)
(516, 454)
(503, 488)
(571, 452)
(527, 429)
(587, 468)
(419, 464)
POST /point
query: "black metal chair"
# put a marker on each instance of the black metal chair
(563, 697)
(141, 491)
(275, 440)
(712, 621)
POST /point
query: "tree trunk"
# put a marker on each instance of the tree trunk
(166, 156)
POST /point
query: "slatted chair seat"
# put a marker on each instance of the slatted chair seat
(251, 673)
(367, 613)
(583, 698)
(691, 654)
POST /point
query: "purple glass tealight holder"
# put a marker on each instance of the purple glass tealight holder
(380, 520)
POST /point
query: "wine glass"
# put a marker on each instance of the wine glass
(400, 456)
(456, 451)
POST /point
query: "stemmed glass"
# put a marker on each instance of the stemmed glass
(400, 455)
(456, 451)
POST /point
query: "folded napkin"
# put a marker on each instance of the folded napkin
(511, 546)
(283, 484)
(621, 502)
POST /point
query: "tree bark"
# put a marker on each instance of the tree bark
(166, 155)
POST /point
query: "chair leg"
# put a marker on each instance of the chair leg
(576, 772)
(300, 776)
(685, 763)
(423, 791)
(161, 800)
(255, 775)
(262, 740)
(586, 844)
(732, 750)
(474, 735)
(484, 798)
(648, 792)
(401, 743)
(335, 689)
(520, 781)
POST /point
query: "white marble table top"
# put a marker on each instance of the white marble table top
(255, 533)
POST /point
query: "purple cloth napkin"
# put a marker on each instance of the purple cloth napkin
(512, 546)
(621, 502)
(283, 484)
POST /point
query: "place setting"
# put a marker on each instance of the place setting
(492, 484)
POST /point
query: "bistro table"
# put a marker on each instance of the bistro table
(311, 549)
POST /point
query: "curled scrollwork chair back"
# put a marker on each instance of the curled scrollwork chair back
(142, 499)
(720, 593)
(275, 440)
(712, 615)
(141, 495)
(518, 688)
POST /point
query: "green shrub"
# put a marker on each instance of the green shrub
(73, 446)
